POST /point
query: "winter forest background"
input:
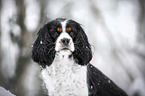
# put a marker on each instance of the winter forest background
(115, 29)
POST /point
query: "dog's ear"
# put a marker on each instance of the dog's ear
(43, 50)
(83, 52)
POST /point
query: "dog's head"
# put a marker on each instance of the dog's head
(59, 35)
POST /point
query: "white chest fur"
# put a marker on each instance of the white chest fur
(65, 78)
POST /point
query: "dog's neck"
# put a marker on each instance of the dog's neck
(64, 77)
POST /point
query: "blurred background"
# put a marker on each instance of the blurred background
(115, 29)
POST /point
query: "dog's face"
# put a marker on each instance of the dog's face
(64, 40)
(59, 35)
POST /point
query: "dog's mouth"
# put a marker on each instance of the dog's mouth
(65, 48)
(64, 51)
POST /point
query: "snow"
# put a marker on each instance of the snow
(108, 81)
(41, 42)
(91, 87)
(4, 92)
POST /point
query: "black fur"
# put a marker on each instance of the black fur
(82, 53)
(44, 53)
(100, 85)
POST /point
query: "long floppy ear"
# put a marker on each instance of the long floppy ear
(43, 51)
(83, 52)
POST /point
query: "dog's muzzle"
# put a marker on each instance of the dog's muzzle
(64, 42)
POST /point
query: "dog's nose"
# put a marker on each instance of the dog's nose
(65, 41)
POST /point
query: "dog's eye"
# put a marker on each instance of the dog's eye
(59, 29)
(68, 29)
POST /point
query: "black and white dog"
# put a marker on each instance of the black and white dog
(63, 51)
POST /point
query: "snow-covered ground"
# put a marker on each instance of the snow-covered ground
(4, 92)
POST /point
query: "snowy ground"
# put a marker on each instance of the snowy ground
(4, 92)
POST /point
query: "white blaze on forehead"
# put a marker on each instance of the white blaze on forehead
(64, 25)
(63, 35)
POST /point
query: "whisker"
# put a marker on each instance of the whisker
(51, 44)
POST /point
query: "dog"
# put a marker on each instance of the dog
(63, 52)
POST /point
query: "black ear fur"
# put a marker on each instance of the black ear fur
(43, 51)
(82, 53)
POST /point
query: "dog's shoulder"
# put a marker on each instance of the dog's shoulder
(101, 85)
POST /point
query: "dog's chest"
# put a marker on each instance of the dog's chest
(65, 78)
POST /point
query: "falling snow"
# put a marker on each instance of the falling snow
(91, 87)
(108, 81)
(41, 42)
